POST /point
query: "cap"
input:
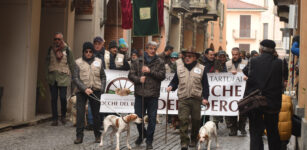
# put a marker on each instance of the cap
(98, 39)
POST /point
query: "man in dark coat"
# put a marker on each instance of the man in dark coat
(258, 71)
(147, 82)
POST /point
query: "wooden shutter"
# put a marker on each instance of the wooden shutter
(245, 47)
(245, 25)
(265, 30)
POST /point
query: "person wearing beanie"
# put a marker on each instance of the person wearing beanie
(220, 63)
(90, 79)
(165, 56)
(60, 63)
(265, 73)
(123, 46)
(235, 65)
(134, 56)
(99, 49)
(254, 53)
(115, 60)
(171, 68)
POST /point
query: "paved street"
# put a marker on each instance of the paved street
(46, 137)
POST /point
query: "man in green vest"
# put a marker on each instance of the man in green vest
(60, 62)
(193, 91)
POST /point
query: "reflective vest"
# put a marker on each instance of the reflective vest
(231, 67)
(90, 74)
(119, 59)
(59, 66)
(189, 81)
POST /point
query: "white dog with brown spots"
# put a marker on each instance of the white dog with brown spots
(119, 124)
(206, 133)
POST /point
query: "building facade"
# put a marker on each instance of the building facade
(252, 21)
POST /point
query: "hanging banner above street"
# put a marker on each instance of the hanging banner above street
(145, 18)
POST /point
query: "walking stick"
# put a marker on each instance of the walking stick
(166, 118)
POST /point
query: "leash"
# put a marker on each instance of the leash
(94, 97)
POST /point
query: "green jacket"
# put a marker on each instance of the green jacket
(62, 79)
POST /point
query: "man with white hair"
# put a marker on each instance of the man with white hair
(147, 73)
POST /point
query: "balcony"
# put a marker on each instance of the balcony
(283, 9)
(213, 7)
(181, 5)
(244, 35)
(197, 7)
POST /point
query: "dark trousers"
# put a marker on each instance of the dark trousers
(151, 106)
(95, 106)
(233, 123)
(54, 89)
(258, 121)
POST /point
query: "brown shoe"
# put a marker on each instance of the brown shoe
(63, 120)
(78, 141)
(192, 144)
(97, 139)
(54, 123)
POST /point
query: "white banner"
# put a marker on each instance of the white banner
(225, 90)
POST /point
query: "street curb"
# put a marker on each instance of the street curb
(17, 125)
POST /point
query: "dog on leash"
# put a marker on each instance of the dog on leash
(206, 133)
(119, 124)
(72, 110)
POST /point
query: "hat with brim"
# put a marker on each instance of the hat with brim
(185, 51)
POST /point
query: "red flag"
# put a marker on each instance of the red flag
(126, 7)
(160, 12)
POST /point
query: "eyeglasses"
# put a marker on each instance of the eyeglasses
(57, 39)
(88, 51)
(174, 57)
(189, 56)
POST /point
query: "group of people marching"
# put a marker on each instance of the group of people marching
(148, 71)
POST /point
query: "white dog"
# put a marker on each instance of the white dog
(206, 133)
(119, 124)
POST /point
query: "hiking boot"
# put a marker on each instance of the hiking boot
(192, 144)
(54, 123)
(78, 141)
(184, 147)
(149, 146)
(233, 133)
(63, 120)
(139, 141)
(243, 132)
(97, 139)
(89, 127)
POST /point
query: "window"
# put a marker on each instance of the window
(245, 47)
(245, 26)
(265, 30)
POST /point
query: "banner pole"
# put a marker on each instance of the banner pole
(166, 118)
(143, 123)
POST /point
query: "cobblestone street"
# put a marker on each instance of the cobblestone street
(46, 137)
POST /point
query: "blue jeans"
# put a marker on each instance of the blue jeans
(151, 106)
(89, 115)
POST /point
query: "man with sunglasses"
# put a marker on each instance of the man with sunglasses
(90, 78)
(60, 62)
(193, 91)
